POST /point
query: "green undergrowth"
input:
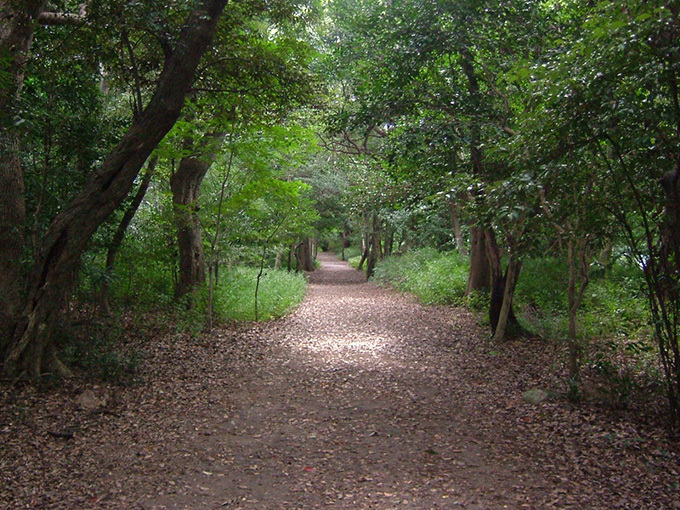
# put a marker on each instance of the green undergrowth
(614, 305)
(91, 347)
(354, 261)
(436, 278)
(234, 298)
(146, 290)
(94, 346)
(613, 329)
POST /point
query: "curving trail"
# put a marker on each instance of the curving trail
(358, 403)
(360, 399)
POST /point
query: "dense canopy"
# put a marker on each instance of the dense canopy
(149, 151)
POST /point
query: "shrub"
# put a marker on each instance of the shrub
(434, 277)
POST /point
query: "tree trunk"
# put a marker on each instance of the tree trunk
(69, 234)
(573, 364)
(12, 219)
(17, 23)
(666, 294)
(499, 280)
(506, 310)
(576, 287)
(366, 245)
(344, 245)
(373, 255)
(479, 277)
(304, 254)
(457, 230)
(374, 251)
(186, 185)
(605, 256)
(482, 270)
(118, 237)
(389, 242)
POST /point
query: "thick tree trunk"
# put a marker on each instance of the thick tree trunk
(69, 234)
(12, 219)
(304, 256)
(482, 270)
(17, 24)
(479, 278)
(186, 185)
(118, 237)
(667, 292)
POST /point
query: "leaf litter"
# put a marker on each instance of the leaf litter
(361, 398)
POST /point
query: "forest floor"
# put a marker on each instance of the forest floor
(360, 399)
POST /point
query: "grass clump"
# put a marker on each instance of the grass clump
(234, 297)
(436, 278)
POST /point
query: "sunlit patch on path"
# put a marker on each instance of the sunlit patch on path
(353, 406)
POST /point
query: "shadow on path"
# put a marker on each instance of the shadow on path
(357, 404)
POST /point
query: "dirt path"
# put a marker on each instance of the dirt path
(355, 407)
(361, 399)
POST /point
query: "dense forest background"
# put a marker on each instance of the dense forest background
(188, 158)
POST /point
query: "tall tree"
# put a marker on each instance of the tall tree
(253, 77)
(435, 68)
(17, 24)
(31, 350)
(185, 184)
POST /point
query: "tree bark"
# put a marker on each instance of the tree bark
(479, 277)
(389, 242)
(576, 287)
(374, 245)
(365, 241)
(506, 311)
(366, 248)
(17, 24)
(69, 233)
(499, 281)
(304, 256)
(667, 292)
(345, 244)
(118, 237)
(186, 185)
(457, 230)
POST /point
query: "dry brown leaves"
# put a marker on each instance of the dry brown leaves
(360, 399)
